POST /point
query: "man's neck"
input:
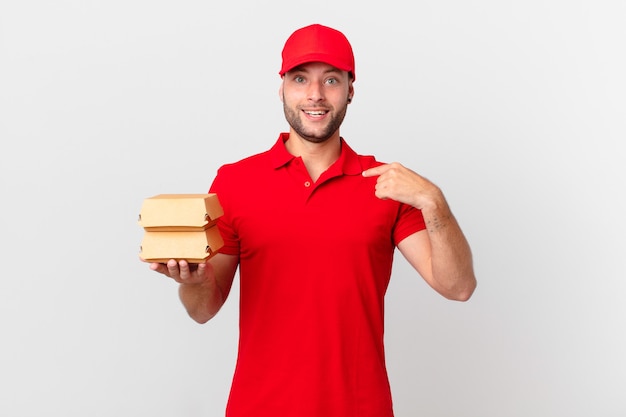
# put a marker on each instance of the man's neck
(317, 157)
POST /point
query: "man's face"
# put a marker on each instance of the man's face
(315, 100)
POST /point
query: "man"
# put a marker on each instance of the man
(313, 227)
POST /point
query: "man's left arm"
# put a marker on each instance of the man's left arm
(441, 253)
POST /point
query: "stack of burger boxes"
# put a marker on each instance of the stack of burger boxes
(180, 226)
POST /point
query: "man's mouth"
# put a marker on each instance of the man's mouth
(316, 113)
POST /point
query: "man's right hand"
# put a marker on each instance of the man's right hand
(203, 287)
(185, 273)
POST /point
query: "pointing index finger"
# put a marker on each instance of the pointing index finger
(378, 170)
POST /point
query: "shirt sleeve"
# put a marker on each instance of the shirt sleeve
(225, 222)
(410, 220)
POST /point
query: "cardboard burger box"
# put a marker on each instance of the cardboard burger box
(180, 226)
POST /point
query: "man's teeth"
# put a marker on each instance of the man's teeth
(315, 113)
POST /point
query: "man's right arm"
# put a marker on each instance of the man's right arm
(203, 288)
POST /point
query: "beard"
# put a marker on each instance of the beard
(294, 119)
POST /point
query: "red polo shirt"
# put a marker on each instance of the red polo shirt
(315, 262)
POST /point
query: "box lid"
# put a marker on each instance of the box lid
(180, 211)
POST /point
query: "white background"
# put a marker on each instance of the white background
(516, 109)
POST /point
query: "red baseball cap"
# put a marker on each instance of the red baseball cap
(317, 43)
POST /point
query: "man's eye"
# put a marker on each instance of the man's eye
(331, 81)
(299, 79)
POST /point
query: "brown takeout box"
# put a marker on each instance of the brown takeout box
(194, 247)
(179, 212)
(180, 226)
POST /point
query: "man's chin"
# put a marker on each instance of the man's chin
(315, 136)
(315, 139)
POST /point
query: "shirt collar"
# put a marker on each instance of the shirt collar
(348, 162)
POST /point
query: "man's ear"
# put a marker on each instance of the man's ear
(280, 92)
